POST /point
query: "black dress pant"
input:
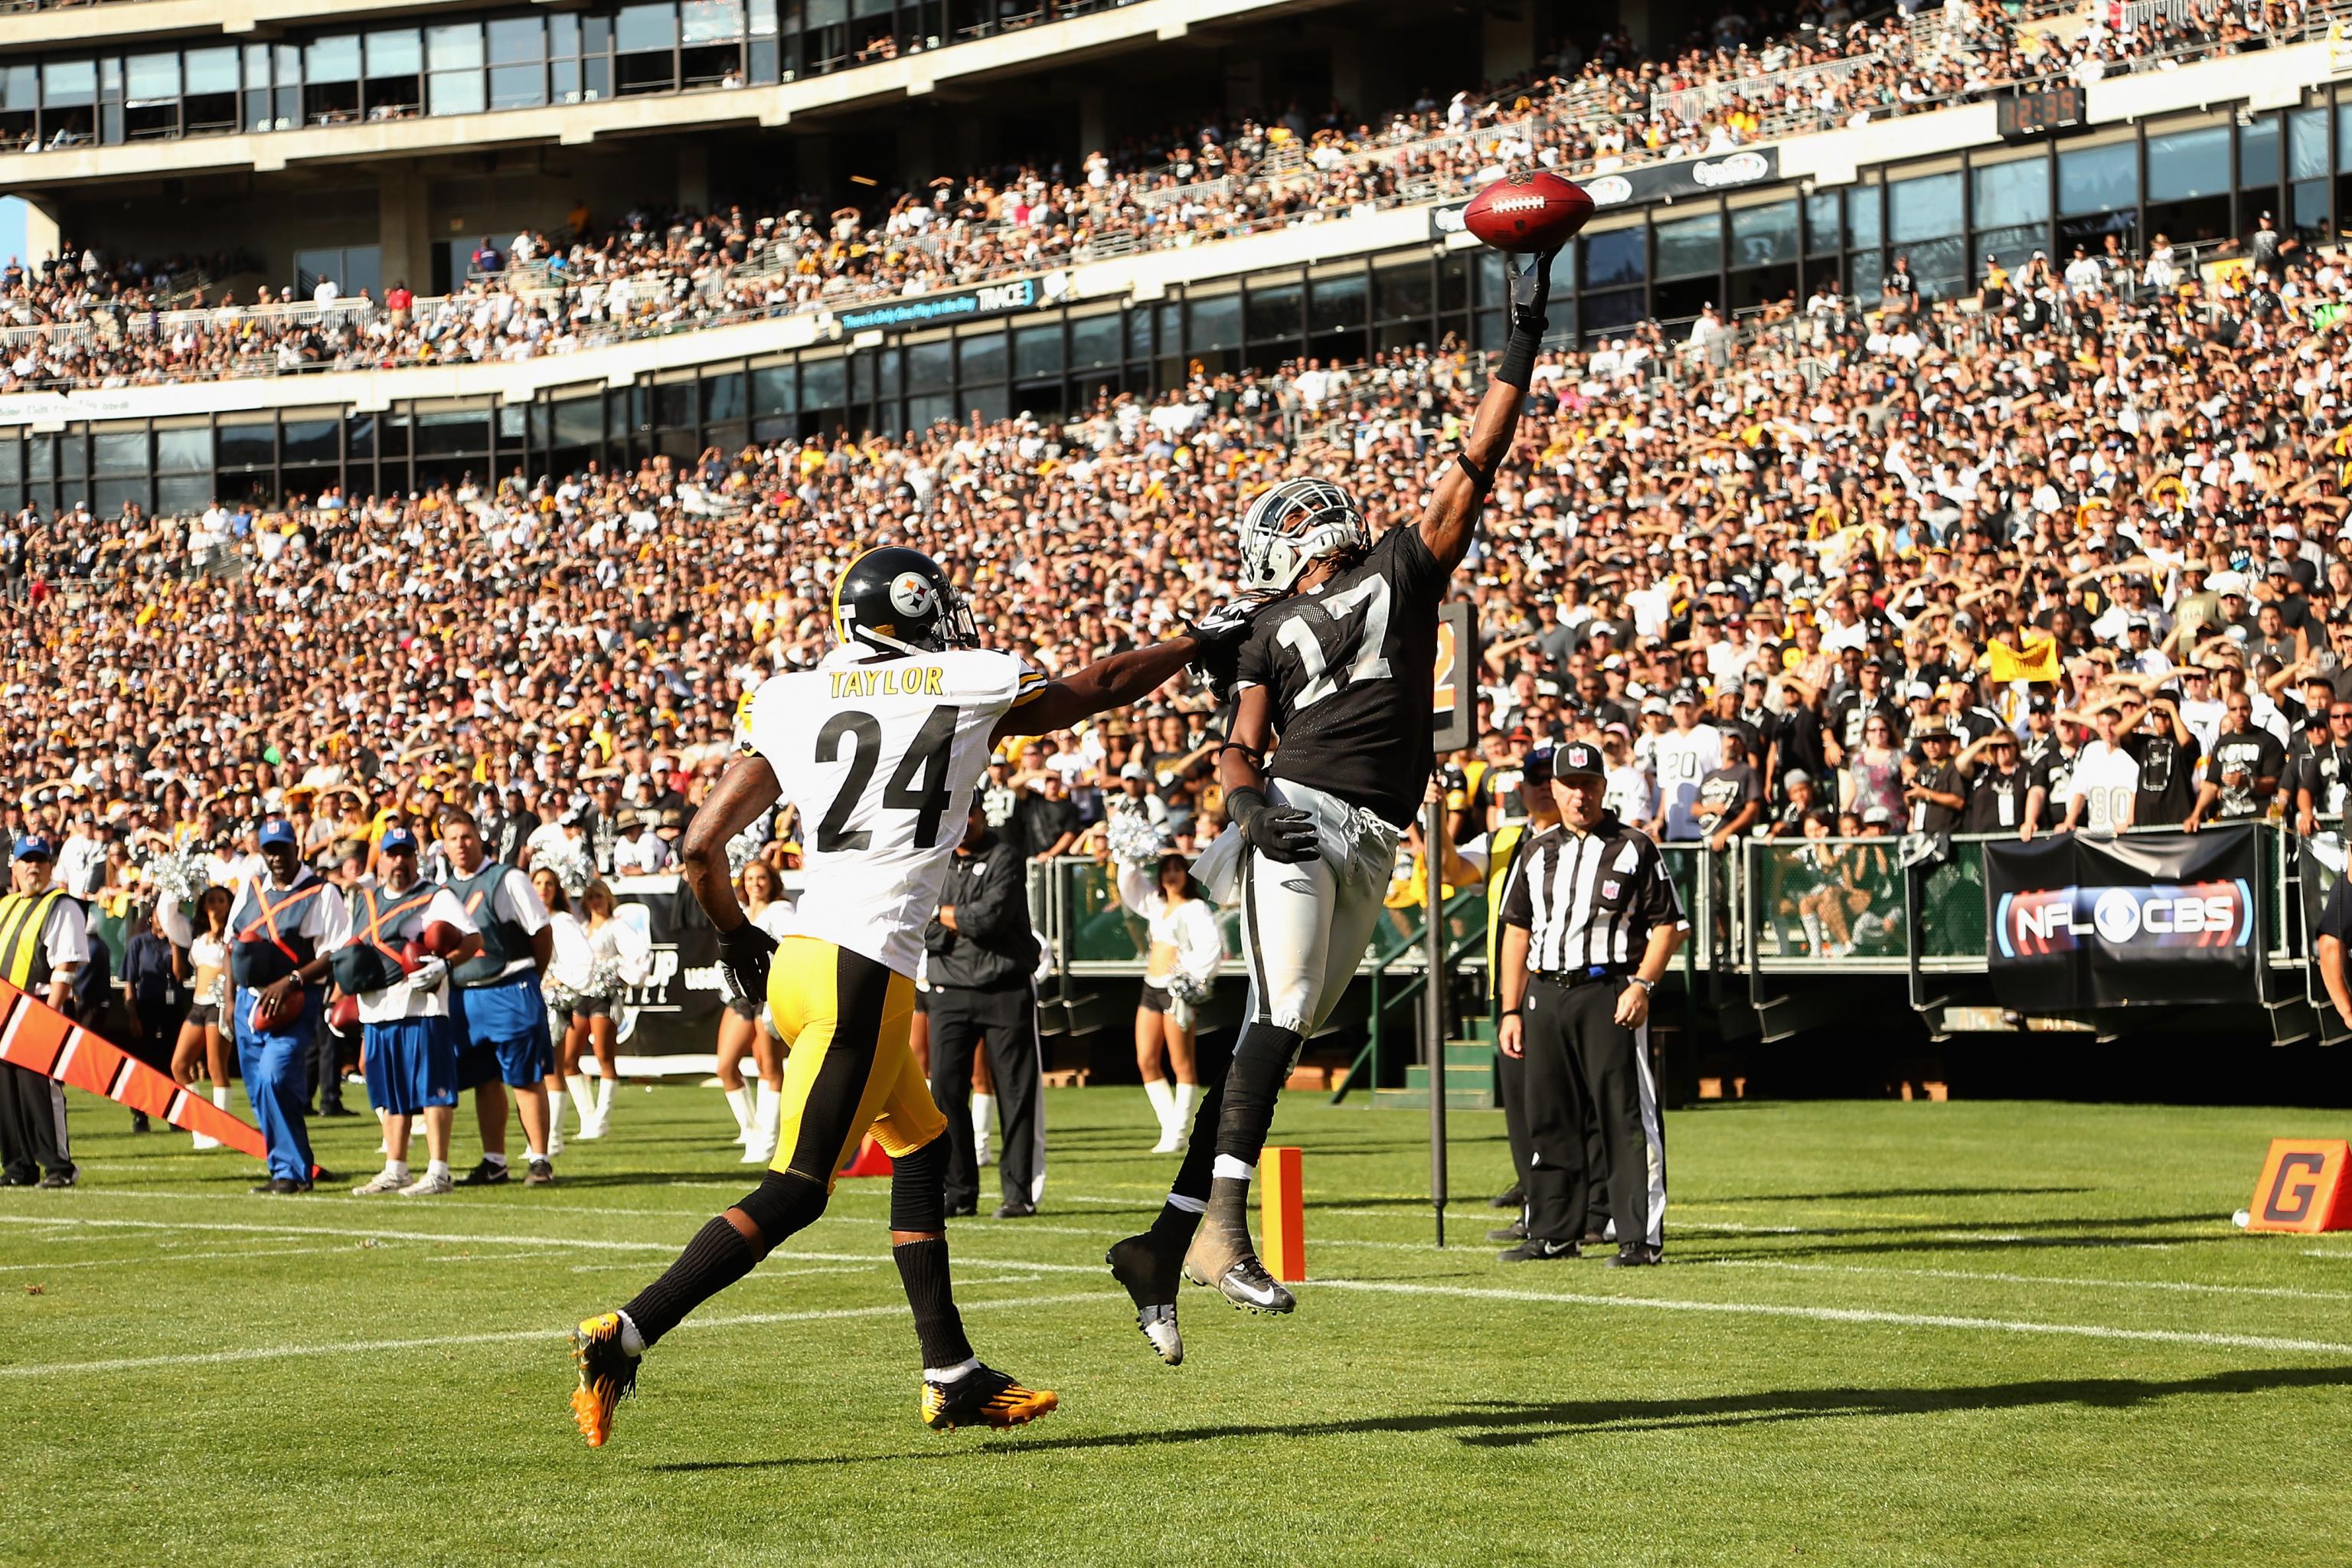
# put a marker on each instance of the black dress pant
(1511, 1089)
(1581, 1063)
(33, 1139)
(1004, 1020)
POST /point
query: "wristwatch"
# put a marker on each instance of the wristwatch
(1648, 986)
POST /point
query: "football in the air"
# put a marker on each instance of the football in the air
(1528, 210)
(441, 939)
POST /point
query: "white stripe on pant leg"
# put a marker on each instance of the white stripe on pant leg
(1037, 1097)
(1654, 1140)
(57, 1119)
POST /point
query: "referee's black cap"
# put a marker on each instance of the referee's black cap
(1578, 757)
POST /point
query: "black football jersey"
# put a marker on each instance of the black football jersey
(1350, 666)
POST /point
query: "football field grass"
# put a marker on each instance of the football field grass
(1885, 1334)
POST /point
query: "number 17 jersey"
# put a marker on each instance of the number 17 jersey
(1352, 669)
(881, 758)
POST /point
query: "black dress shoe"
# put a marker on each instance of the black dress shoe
(139, 1122)
(339, 1108)
(1515, 1231)
(1514, 1197)
(1012, 1209)
(13, 1180)
(280, 1187)
(963, 1211)
(1634, 1255)
(56, 1179)
(321, 1175)
(1533, 1251)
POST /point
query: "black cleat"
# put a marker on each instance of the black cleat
(1515, 1231)
(485, 1174)
(1635, 1255)
(1511, 1197)
(983, 1398)
(1536, 1251)
(964, 1210)
(56, 1179)
(1014, 1208)
(1150, 1279)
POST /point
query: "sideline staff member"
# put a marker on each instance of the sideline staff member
(44, 942)
(1591, 921)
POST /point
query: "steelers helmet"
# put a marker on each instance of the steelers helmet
(1292, 525)
(897, 601)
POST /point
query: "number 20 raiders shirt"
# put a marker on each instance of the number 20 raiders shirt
(881, 758)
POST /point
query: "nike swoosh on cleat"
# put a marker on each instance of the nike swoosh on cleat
(1259, 1298)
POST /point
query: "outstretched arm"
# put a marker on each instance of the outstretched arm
(1462, 490)
(1112, 682)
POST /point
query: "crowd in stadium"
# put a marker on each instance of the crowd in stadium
(1901, 568)
(82, 322)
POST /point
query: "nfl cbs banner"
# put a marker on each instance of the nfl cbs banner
(2080, 923)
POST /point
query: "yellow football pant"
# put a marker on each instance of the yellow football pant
(845, 1018)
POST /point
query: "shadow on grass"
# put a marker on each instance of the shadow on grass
(1868, 1195)
(1503, 1424)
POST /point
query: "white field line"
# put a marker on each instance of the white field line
(2285, 1292)
(1852, 1315)
(172, 1256)
(514, 1336)
(1022, 1265)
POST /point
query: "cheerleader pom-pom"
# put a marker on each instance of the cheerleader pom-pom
(1135, 840)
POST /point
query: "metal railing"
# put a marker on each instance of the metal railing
(1767, 92)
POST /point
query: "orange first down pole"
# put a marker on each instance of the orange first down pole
(1282, 1215)
(38, 1037)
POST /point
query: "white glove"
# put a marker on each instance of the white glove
(429, 973)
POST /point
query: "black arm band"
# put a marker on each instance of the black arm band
(1483, 478)
(1519, 366)
(1256, 757)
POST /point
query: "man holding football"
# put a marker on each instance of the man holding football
(1341, 671)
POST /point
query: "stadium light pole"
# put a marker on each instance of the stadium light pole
(1433, 840)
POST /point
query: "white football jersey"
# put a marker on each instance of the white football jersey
(882, 759)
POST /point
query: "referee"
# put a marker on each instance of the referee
(1590, 921)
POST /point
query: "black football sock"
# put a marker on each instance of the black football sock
(1262, 1062)
(939, 1327)
(714, 1259)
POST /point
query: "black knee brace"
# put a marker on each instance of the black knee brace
(785, 1202)
(918, 1188)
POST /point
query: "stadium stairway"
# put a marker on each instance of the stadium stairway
(1469, 1076)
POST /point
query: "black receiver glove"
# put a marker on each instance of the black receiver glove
(1531, 292)
(743, 956)
(1221, 634)
(1282, 833)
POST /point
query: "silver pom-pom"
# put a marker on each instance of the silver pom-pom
(1134, 839)
(568, 859)
(604, 979)
(180, 875)
(744, 848)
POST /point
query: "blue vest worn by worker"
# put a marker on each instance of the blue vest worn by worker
(266, 939)
(503, 939)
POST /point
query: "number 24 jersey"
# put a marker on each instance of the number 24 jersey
(881, 758)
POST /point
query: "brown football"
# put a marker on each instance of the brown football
(1528, 210)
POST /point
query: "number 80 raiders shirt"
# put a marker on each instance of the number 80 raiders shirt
(881, 758)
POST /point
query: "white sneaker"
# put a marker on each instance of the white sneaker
(204, 1141)
(385, 1181)
(593, 1128)
(429, 1186)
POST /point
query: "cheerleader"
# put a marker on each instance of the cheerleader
(742, 1032)
(1184, 955)
(567, 971)
(619, 959)
(201, 956)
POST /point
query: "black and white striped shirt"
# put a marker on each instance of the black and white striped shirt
(1590, 900)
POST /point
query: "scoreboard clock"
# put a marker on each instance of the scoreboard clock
(2039, 111)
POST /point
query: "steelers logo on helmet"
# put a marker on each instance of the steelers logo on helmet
(910, 594)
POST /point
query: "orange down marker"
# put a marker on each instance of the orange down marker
(2304, 1187)
(1282, 1215)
